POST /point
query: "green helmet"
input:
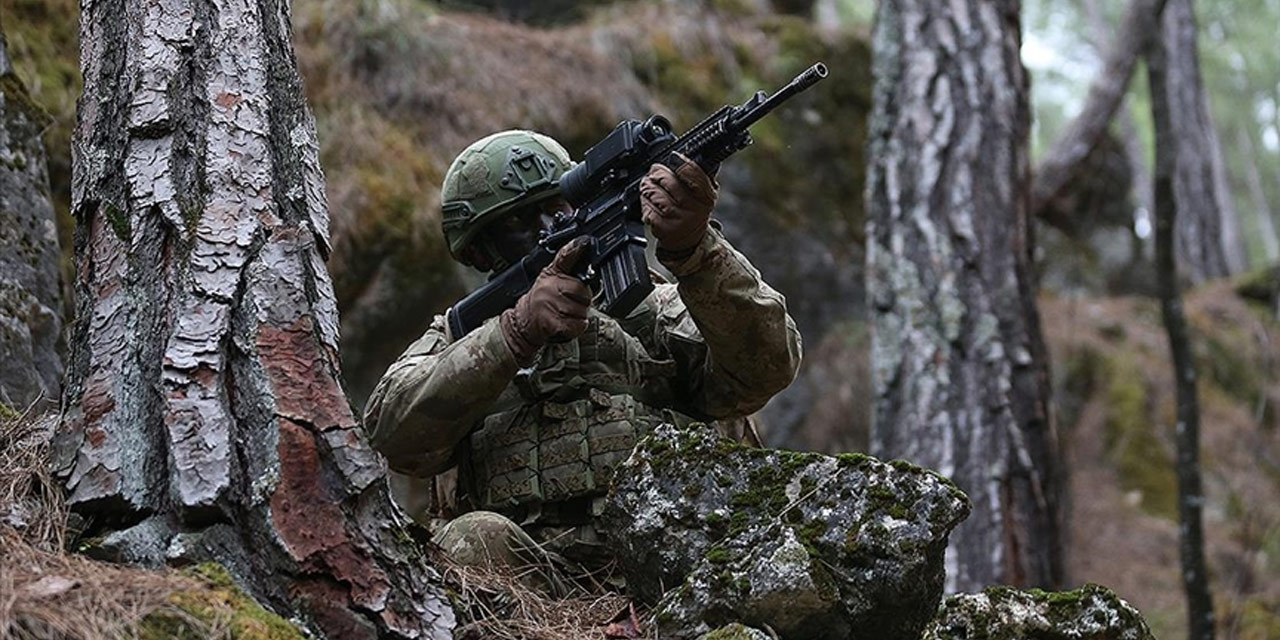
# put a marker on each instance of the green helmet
(494, 176)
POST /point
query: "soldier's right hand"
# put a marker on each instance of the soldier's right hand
(553, 310)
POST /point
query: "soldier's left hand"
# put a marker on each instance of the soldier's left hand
(677, 204)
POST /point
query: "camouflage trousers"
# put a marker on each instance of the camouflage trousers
(556, 560)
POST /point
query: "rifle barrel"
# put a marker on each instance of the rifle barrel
(801, 82)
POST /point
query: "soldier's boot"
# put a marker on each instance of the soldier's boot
(491, 540)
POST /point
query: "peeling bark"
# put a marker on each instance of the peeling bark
(30, 294)
(203, 409)
(1171, 148)
(959, 364)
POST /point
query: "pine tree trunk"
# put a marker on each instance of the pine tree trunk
(1171, 155)
(1204, 232)
(30, 294)
(959, 363)
(204, 418)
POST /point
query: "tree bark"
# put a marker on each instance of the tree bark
(30, 294)
(1202, 238)
(1171, 154)
(1258, 195)
(203, 416)
(959, 365)
(1105, 96)
(1142, 184)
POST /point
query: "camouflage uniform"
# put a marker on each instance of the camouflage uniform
(539, 445)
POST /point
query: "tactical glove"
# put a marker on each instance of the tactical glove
(677, 205)
(553, 310)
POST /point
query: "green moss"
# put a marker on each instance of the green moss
(8, 413)
(221, 604)
(1227, 360)
(1077, 378)
(854, 460)
(119, 221)
(811, 534)
(1133, 440)
(716, 520)
(1257, 619)
(719, 555)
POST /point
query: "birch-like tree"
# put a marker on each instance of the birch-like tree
(204, 417)
(959, 364)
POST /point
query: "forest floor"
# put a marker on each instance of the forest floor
(1114, 392)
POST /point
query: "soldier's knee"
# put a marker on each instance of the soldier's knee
(482, 538)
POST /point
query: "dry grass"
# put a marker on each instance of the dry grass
(496, 605)
(31, 504)
(45, 592)
(48, 593)
(57, 595)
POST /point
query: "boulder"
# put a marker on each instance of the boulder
(711, 532)
(1004, 613)
(30, 297)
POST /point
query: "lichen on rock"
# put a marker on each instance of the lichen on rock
(713, 532)
(1002, 613)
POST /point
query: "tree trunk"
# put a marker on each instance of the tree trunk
(30, 298)
(1232, 244)
(1142, 185)
(1171, 154)
(1201, 242)
(203, 415)
(959, 365)
(1105, 96)
(1258, 195)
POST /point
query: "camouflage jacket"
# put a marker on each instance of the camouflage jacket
(713, 347)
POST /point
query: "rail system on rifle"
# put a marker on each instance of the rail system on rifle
(604, 191)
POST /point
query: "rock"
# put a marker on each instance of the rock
(30, 298)
(1004, 613)
(814, 546)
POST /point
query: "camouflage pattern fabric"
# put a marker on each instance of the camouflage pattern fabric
(539, 444)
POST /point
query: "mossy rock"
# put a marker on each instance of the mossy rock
(812, 545)
(1004, 613)
(219, 606)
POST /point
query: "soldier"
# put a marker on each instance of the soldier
(536, 407)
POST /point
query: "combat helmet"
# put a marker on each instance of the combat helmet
(495, 175)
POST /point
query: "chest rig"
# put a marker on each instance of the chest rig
(559, 430)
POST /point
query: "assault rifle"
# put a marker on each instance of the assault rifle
(604, 191)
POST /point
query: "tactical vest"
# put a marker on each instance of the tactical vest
(560, 429)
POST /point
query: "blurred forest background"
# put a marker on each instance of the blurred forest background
(399, 87)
